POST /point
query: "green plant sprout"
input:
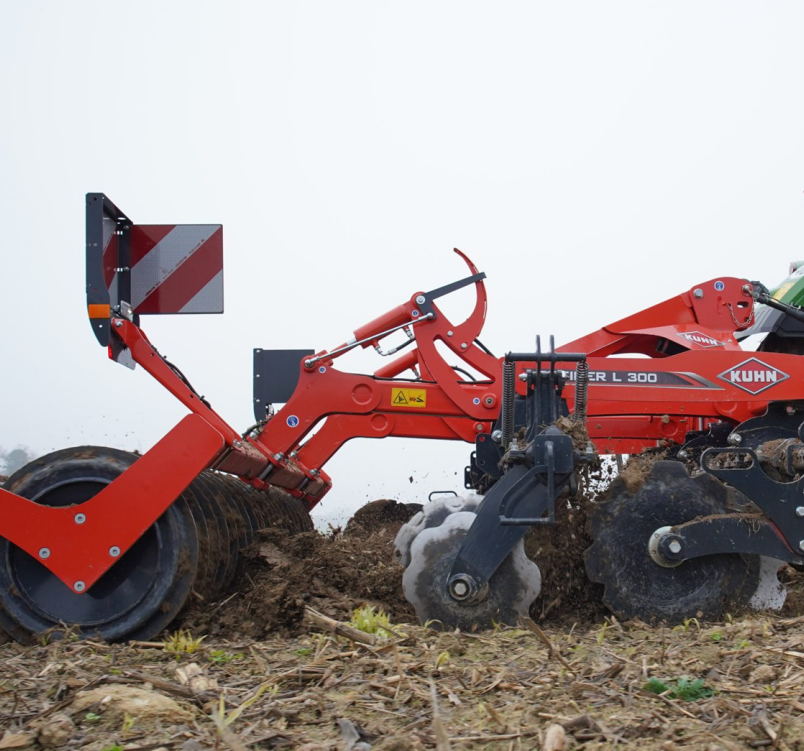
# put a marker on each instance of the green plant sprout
(182, 642)
(685, 689)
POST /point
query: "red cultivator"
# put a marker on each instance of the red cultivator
(115, 543)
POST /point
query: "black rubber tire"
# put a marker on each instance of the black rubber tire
(638, 588)
(135, 599)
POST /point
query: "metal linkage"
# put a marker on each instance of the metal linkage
(311, 361)
(761, 294)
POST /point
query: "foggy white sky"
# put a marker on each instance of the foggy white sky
(593, 158)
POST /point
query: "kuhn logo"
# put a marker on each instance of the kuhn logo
(753, 376)
(702, 340)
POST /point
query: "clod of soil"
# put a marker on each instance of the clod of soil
(57, 730)
(382, 517)
(637, 468)
(115, 702)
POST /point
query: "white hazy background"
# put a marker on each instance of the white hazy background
(593, 158)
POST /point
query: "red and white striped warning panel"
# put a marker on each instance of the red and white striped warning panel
(175, 268)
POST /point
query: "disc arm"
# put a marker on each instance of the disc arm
(782, 502)
(724, 533)
(514, 504)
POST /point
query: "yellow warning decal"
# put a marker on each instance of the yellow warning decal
(408, 398)
(782, 291)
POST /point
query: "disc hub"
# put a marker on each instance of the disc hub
(462, 588)
(663, 546)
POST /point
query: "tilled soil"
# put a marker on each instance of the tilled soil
(333, 573)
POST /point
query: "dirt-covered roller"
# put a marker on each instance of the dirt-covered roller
(192, 551)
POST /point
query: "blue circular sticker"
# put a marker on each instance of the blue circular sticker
(292, 421)
(719, 286)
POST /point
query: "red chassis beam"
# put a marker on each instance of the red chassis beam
(688, 371)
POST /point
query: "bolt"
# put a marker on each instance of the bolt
(698, 293)
(683, 454)
(523, 376)
(675, 546)
(799, 511)
(238, 444)
(735, 439)
(420, 300)
(118, 324)
(489, 401)
(79, 586)
(279, 457)
(479, 427)
(114, 551)
(80, 518)
(463, 345)
(314, 472)
(460, 588)
(44, 553)
(496, 436)
(450, 333)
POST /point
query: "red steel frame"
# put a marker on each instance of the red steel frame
(629, 409)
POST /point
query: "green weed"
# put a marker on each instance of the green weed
(372, 621)
(685, 689)
(181, 642)
(221, 656)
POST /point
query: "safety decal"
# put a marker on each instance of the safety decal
(719, 286)
(753, 376)
(408, 398)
